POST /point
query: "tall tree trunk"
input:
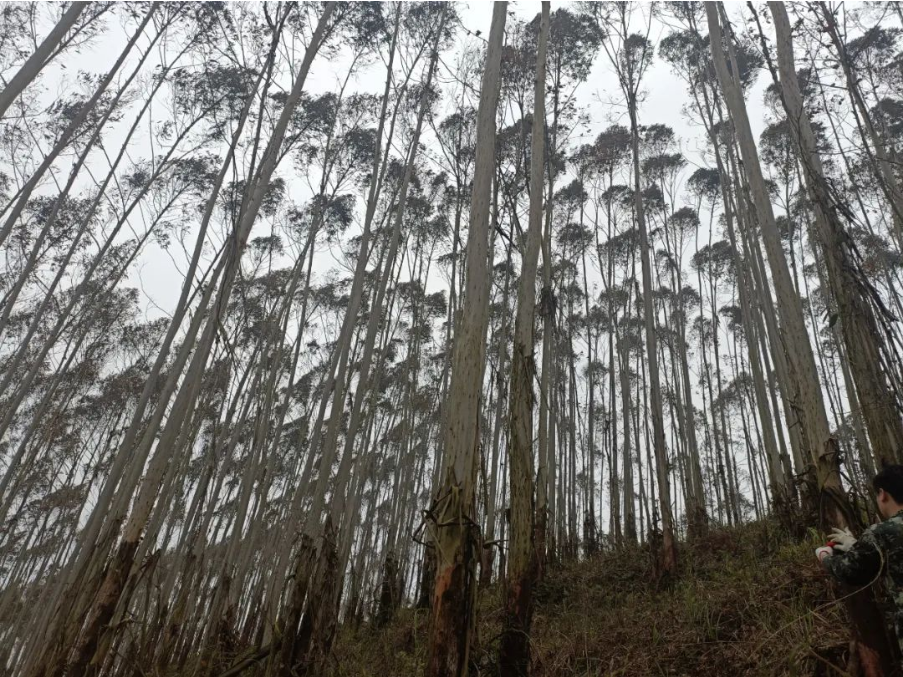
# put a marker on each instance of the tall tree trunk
(821, 446)
(454, 524)
(628, 458)
(75, 124)
(38, 59)
(878, 155)
(856, 298)
(514, 652)
(102, 607)
(323, 602)
(127, 456)
(668, 561)
(777, 480)
(489, 545)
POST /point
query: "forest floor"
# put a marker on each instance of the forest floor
(748, 601)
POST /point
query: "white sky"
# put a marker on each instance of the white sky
(157, 276)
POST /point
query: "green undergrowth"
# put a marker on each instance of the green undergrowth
(747, 601)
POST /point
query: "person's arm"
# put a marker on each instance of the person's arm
(859, 565)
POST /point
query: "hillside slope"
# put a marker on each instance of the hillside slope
(748, 602)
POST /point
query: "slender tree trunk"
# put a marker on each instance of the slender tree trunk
(117, 573)
(514, 652)
(630, 533)
(808, 398)
(855, 296)
(878, 155)
(454, 525)
(669, 546)
(38, 59)
(500, 421)
(83, 112)
(874, 654)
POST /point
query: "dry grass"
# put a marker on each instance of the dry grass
(747, 602)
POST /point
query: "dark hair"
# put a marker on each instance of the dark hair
(891, 480)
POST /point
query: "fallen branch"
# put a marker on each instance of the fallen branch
(828, 663)
(249, 661)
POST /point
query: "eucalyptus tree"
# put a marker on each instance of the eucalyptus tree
(315, 429)
(583, 240)
(798, 228)
(56, 208)
(325, 585)
(141, 183)
(514, 653)
(40, 56)
(603, 160)
(817, 440)
(319, 620)
(810, 399)
(860, 309)
(687, 51)
(86, 635)
(620, 249)
(328, 135)
(576, 477)
(662, 167)
(630, 55)
(583, 319)
(573, 45)
(715, 261)
(854, 56)
(452, 515)
(494, 484)
(121, 458)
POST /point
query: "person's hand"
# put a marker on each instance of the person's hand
(842, 539)
(824, 551)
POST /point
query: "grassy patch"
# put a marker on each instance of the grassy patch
(748, 601)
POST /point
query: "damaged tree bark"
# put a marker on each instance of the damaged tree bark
(454, 527)
(514, 653)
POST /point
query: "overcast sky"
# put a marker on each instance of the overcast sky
(665, 96)
(158, 273)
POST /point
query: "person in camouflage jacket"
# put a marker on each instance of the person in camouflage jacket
(878, 551)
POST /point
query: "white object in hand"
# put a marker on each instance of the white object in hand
(824, 551)
(843, 539)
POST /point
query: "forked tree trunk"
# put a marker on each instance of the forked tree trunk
(454, 524)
